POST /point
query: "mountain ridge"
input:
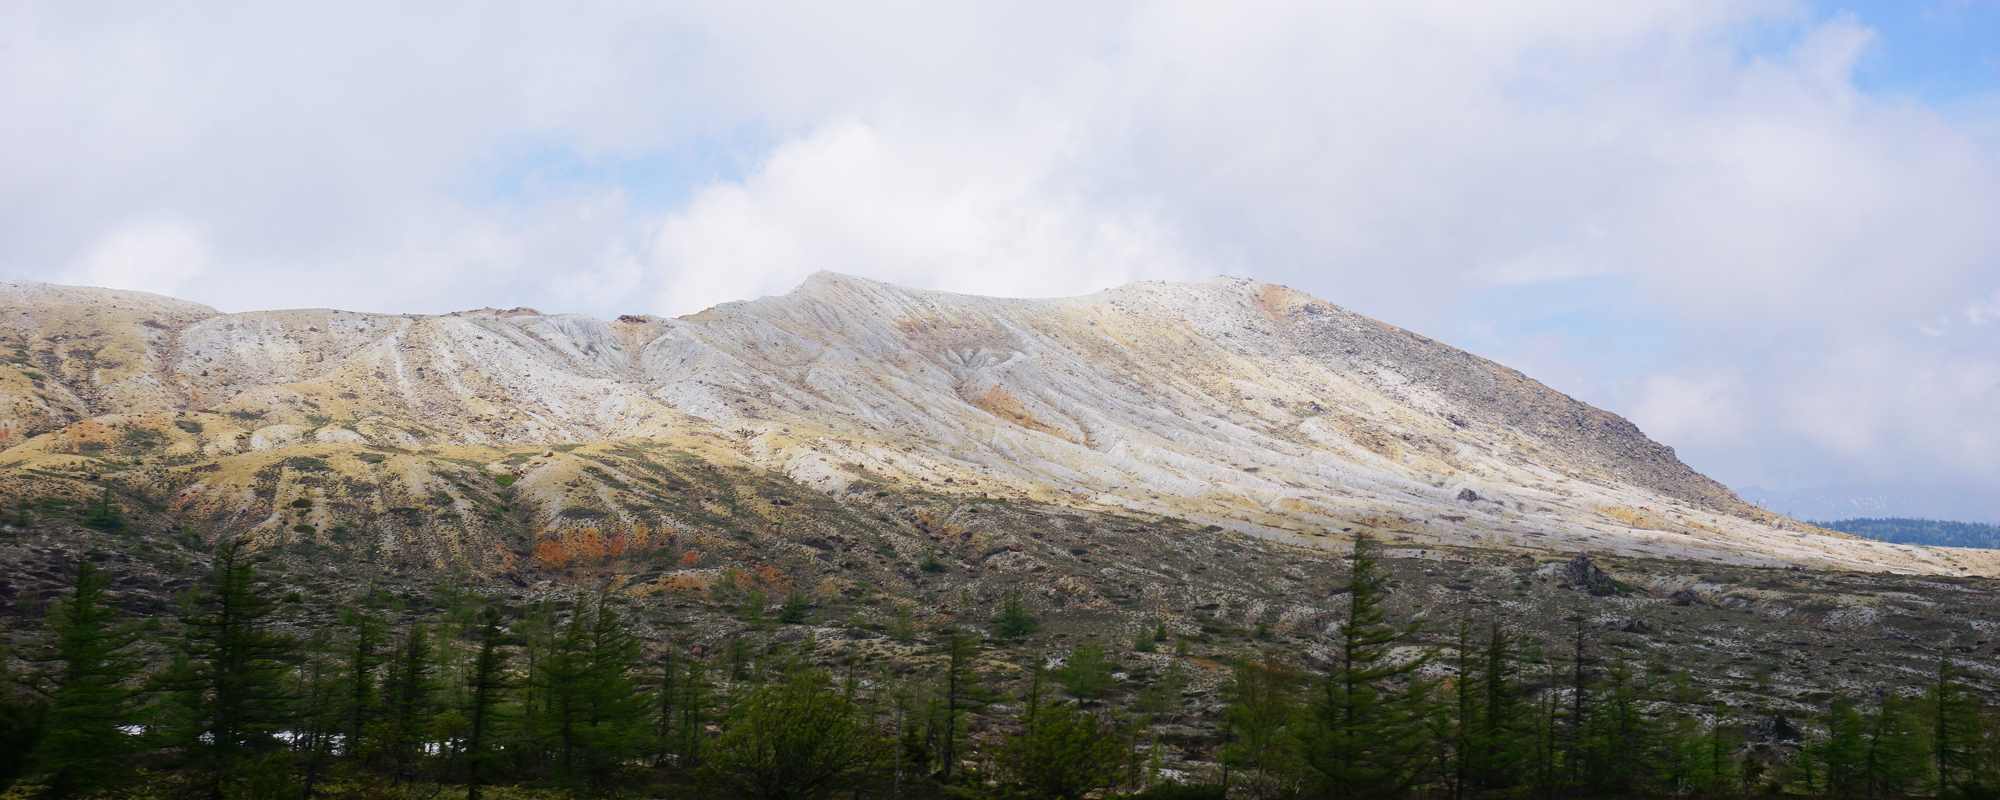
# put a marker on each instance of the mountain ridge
(1228, 402)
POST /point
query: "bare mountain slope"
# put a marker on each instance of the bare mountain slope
(473, 437)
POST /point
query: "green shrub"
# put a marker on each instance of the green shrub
(795, 609)
(1013, 621)
(1086, 674)
(105, 515)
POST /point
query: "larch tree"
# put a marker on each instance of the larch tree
(84, 743)
(1368, 731)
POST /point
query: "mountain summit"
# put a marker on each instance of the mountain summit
(1230, 403)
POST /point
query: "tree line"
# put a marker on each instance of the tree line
(544, 701)
(1931, 532)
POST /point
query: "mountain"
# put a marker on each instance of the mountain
(478, 440)
(1921, 501)
(1927, 532)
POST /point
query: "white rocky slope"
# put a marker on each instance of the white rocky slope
(1241, 404)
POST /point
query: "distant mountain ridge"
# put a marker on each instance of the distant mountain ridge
(1231, 403)
(1927, 532)
(1881, 500)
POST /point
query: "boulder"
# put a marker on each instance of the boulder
(1582, 574)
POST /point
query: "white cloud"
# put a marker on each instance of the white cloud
(1985, 312)
(958, 210)
(159, 256)
(1700, 410)
(1396, 157)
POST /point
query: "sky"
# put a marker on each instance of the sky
(1765, 230)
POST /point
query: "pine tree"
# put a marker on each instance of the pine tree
(83, 744)
(1368, 733)
(486, 687)
(236, 670)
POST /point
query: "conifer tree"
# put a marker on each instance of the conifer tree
(796, 739)
(1368, 729)
(1545, 773)
(1717, 771)
(363, 659)
(1086, 673)
(22, 713)
(610, 714)
(1577, 755)
(1502, 739)
(1842, 756)
(236, 671)
(1014, 621)
(1619, 738)
(83, 743)
(1955, 731)
(665, 695)
(1164, 692)
(1465, 713)
(957, 682)
(320, 688)
(560, 676)
(1894, 756)
(1262, 718)
(694, 707)
(911, 753)
(533, 742)
(408, 698)
(105, 515)
(485, 688)
(1061, 752)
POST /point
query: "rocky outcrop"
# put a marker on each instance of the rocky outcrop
(1583, 575)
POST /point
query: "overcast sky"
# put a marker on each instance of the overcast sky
(1769, 232)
